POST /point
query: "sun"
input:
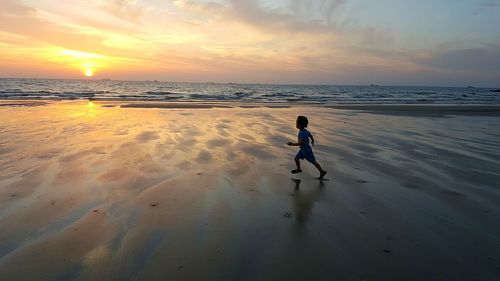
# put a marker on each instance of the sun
(89, 72)
(88, 69)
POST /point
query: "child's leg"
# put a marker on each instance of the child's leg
(318, 166)
(322, 172)
(297, 162)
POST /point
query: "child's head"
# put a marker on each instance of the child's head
(302, 122)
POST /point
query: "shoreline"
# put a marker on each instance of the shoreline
(392, 109)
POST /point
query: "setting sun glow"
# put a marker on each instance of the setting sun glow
(86, 62)
(89, 72)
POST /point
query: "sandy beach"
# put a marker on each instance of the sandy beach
(183, 191)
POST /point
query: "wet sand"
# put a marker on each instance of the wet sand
(106, 191)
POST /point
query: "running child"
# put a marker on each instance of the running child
(305, 151)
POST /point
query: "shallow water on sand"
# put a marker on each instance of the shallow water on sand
(93, 192)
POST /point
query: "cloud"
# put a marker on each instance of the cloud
(131, 10)
(27, 27)
(33, 39)
(295, 17)
(483, 59)
(485, 6)
(309, 19)
(38, 31)
(490, 3)
(321, 9)
(13, 8)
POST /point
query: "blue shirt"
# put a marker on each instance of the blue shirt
(304, 137)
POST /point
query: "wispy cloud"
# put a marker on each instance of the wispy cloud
(486, 58)
(296, 16)
(485, 6)
(131, 10)
(490, 3)
(15, 8)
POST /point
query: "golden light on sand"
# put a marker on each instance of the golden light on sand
(87, 110)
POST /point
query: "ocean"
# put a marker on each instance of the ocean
(30, 89)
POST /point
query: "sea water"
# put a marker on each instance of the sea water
(267, 93)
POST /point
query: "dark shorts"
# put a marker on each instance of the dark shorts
(306, 153)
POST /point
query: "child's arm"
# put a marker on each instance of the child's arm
(299, 143)
(312, 139)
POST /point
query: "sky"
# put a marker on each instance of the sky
(386, 42)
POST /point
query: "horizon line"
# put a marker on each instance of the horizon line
(242, 83)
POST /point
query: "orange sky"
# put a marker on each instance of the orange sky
(275, 41)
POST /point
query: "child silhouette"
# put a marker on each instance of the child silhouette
(305, 151)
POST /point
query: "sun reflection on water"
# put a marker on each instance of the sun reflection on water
(88, 109)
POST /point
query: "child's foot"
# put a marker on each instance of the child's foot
(296, 171)
(322, 174)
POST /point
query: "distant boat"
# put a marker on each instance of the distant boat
(496, 91)
(373, 85)
(470, 87)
